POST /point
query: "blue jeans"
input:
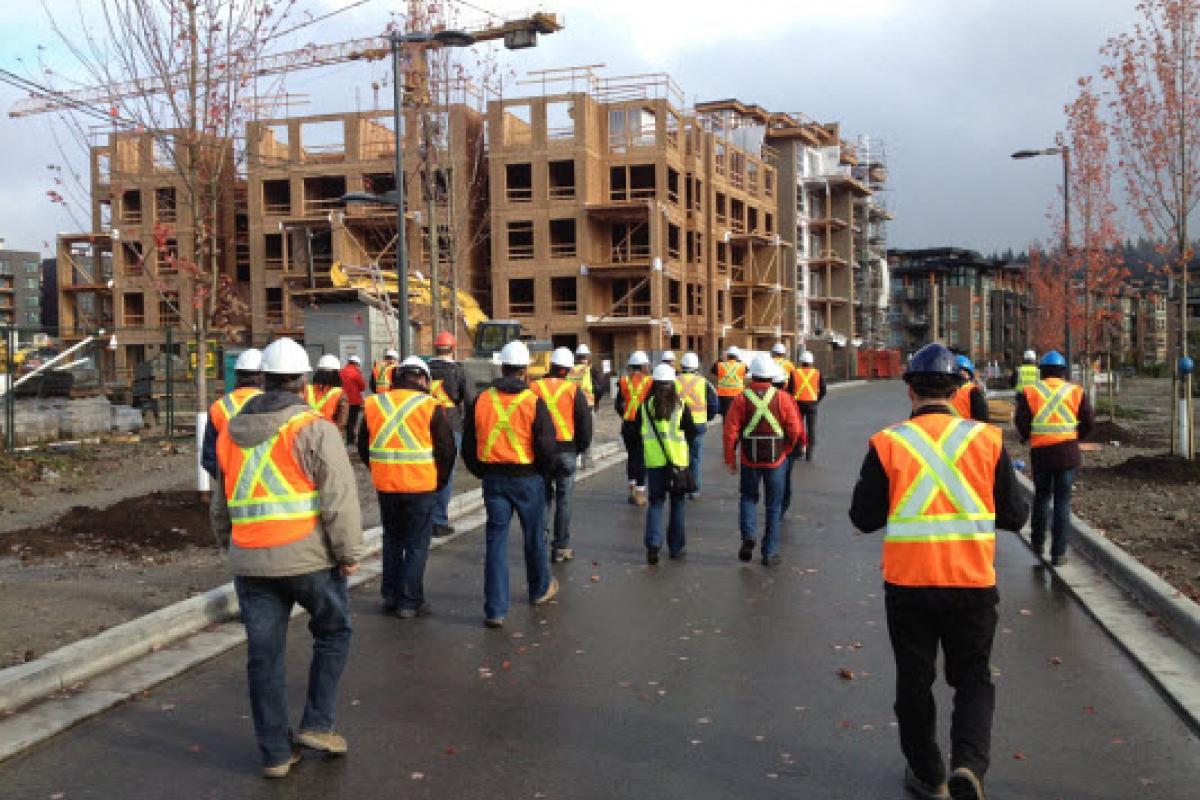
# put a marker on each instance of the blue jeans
(502, 495)
(695, 453)
(407, 528)
(656, 478)
(440, 515)
(559, 494)
(789, 462)
(1049, 483)
(772, 479)
(266, 606)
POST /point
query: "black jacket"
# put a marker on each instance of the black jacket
(444, 449)
(454, 381)
(979, 406)
(1064, 455)
(545, 444)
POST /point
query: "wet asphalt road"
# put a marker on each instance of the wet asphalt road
(706, 678)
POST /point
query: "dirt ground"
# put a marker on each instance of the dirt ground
(1137, 494)
(99, 536)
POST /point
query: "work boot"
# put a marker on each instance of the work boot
(771, 560)
(494, 622)
(549, 594)
(282, 769)
(746, 551)
(641, 495)
(561, 554)
(325, 741)
(679, 554)
(1059, 561)
(921, 789)
(633, 495)
(652, 556)
(965, 785)
(423, 610)
(441, 531)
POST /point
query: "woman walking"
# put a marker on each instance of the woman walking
(666, 428)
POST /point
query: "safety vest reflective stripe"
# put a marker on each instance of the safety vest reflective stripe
(227, 407)
(437, 390)
(634, 389)
(279, 501)
(326, 402)
(1027, 375)
(671, 433)
(410, 451)
(382, 373)
(503, 425)
(1054, 404)
(807, 384)
(564, 431)
(582, 375)
(960, 402)
(762, 411)
(730, 376)
(692, 393)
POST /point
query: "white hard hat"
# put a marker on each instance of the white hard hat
(515, 354)
(390, 353)
(732, 350)
(414, 362)
(353, 360)
(1030, 356)
(664, 373)
(328, 361)
(638, 359)
(668, 357)
(779, 378)
(583, 350)
(806, 357)
(562, 358)
(285, 357)
(690, 361)
(249, 361)
(779, 349)
(763, 367)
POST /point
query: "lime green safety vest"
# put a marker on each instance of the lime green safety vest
(1027, 375)
(672, 436)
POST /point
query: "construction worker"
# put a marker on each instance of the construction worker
(354, 385)
(324, 393)
(666, 427)
(381, 371)
(287, 502)
(969, 401)
(668, 358)
(700, 397)
(807, 387)
(586, 376)
(779, 353)
(731, 378)
(509, 442)
(765, 425)
(408, 441)
(631, 391)
(450, 389)
(1027, 373)
(248, 381)
(1052, 415)
(941, 485)
(572, 416)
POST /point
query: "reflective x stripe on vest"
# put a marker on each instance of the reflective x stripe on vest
(807, 384)
(762, 411)
(326, 402)
(960, 401)
(437, 390)
(909, 521)
(634, 389)
(382, 373)
(582, 375)
(503, 426)
(692, 393)
(564, 419)
(730, 378)
(409, 450)
(227, 407)
(671, 433)
(1027, 375)
(1055, 417)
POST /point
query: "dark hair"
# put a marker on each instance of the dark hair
(283, 383)
(327, 377)
(933, 385)
(410, 378)
(665, 398)
(242, 378)
(1052, 372)
(557, 371)
(508, 370)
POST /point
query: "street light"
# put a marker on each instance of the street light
(1065, 152)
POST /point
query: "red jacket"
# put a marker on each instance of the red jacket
(353, 384)
(786, 413)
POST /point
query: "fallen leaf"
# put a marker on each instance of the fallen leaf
(167, 707)
(1018, 756)
(505, 665)
(703, 721)
(1116, 740)
(595, 579)
(695, 741)
(845, 674)
(418, 776)
(194, 748)
(58, 796)
(1055, 661)
(1025, 612)
(772, 775)
(450, 750)
(1089, 710)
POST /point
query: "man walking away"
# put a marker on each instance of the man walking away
(631, 393)
(572, 416)
(1052, 415)
(779, 354)
(1027, 373)
(248, 381)
(807, 386)
(381, 372)
(287, 501)
(666, 428)
(449, 388)
(354, 385)
(700, 398)
(969, 401)
(941, 485)
(731, 378)
(589, 376)
(509, 442)
(765, 426)
(324, 393)
(408, 442)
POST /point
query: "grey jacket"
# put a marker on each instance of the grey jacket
(321, 453)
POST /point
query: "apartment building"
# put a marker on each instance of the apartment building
(20, 288)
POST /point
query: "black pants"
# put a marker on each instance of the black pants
(723, 403)
(963, 621)
(635, 465)
(810, 428)
(352, 423)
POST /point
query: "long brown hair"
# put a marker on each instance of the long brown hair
(665, 399)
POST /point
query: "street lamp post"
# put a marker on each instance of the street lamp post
(1065, 152)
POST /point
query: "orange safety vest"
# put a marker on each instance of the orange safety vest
(692, 391)
(582, 375)
(559, 396)
(634, 388)
(509, 427)
(272, 501)
(785, 364)
(731, 378)
(323, 399)
(807, 384)
(401, 441)
(1054, 404)
(381, 372)
(961, 400)
(941, 528)
(226, 408)
(437, 391)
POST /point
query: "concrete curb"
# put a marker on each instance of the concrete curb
(61, 672)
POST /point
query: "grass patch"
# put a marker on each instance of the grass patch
(1121, 412)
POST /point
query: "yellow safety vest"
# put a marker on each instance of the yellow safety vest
(582, 375)
(692, 393)
(671, 433)
(1027, 375)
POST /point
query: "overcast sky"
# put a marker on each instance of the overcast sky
(951, 86)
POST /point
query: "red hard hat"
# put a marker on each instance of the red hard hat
(444, 339)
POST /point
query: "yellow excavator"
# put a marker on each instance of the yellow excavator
(488, 336)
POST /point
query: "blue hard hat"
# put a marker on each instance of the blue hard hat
(965, 363)
(932, 359)
(1053, 359)
(1186, 365)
